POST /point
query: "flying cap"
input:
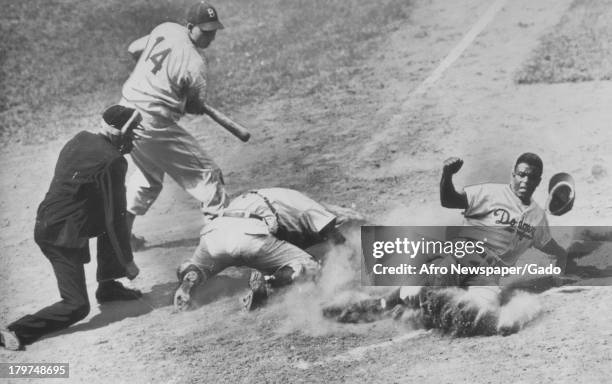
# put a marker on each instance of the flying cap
(561, 194)
(204, 16)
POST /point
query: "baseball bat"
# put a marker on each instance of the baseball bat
(233, 127)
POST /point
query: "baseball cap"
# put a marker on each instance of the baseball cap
(204, 16)
(561, 194)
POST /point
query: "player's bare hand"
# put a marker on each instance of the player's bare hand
(131, 270)
(452, 165)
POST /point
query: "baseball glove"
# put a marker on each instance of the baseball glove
(561, 194)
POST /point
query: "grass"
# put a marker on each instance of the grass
(63, 61)
(577, 49)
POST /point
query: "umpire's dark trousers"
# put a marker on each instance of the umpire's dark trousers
(68, 265)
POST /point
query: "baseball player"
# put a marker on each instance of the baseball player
(86, 199)
(503, 214)
(266, 229)
(508, 220)
(168, 81)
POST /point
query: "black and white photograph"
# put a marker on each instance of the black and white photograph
(289, 191)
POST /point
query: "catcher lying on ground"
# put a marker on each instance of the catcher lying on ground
(509, 221)
(265, 229)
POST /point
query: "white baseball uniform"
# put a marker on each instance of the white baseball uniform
(169, 71)
(276, 225)
(494, 212)
(508, 228)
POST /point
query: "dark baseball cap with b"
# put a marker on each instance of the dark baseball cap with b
(204, 16)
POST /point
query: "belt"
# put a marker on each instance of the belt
(271, 221)
(240, 214)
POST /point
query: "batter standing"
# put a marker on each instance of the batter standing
(168, 81)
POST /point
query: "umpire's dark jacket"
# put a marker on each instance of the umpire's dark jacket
(86, 198)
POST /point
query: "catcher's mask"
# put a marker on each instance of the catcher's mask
(561, 194)
(120, 125)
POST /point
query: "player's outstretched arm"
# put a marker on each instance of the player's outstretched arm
(449, 197)
(137, 46)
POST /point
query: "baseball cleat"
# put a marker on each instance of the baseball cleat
(9, 340)
(115, 291)
(182, 296)
(364, 311)
(259, 292)
(507, 330)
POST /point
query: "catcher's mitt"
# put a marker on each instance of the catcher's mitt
(561, 194)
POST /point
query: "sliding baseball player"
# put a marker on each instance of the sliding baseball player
(509, 221)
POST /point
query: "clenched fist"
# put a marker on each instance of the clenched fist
(452, 165)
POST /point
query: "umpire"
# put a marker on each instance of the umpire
(86, 199)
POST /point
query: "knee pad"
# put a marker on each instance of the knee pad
(184, 268)
(282, 276)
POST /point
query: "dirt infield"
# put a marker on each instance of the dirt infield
(371, 144)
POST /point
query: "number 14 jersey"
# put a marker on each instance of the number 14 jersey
(169, 69)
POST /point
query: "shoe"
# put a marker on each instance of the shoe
(259, 291)
(9, 340)
(364, 311)
(137, 243)
(115, 291)
(182, 297)
(508, 329)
